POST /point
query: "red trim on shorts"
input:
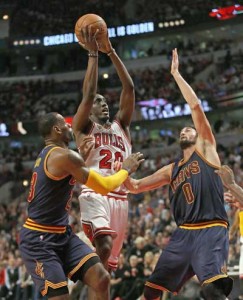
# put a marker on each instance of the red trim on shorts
(112, 266)
(114, 195)
(105, 231)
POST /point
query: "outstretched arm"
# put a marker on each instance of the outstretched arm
(81, 121)
(127, 98)
(199, 118)
(228, 179)
(63, 162)
(154, 181)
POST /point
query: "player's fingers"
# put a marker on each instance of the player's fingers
(96, 32)
(82, 45)
(219, 171)
(141, 161)
(88, 138)
(138, 154)
(90, 33)
(227, 168)
(90, 147)
(84, 34)
(117, 166)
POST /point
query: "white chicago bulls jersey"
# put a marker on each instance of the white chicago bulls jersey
(111, 144)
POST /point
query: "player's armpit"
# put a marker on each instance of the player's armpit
(104, 185)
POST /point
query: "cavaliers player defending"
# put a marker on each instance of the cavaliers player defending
(199, 246)
(104, 221)
(50, 250)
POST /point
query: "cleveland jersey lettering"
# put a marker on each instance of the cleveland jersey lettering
(49, 197)
(196, 192)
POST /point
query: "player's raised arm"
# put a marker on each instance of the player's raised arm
(127, 97)
(81, 121)
(199, 118)
(154, 181)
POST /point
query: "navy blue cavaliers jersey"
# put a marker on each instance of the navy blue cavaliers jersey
(196, 192)
(49, 196)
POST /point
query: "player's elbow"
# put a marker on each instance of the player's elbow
(129, 87)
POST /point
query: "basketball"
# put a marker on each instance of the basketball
(91, 19)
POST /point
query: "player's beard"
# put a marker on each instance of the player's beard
(187, 144)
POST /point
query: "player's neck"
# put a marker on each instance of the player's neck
(103, 123)
(50, 142)
(187, 153)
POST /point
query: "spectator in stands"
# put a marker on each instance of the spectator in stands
(117, 276)
(11, 278)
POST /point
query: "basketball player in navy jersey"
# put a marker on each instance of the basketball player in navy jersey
(50, 250)
(105, 222)
(199, 246)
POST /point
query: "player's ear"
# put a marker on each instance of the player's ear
(57, 129)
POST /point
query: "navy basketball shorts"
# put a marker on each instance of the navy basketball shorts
(52, 257)
(201, 252)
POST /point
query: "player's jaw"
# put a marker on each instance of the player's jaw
(187, 141)
(67, 135)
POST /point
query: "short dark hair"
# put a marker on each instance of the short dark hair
(46, 122)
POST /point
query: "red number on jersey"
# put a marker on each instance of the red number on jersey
(105, 162)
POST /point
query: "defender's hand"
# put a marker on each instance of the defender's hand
(85, 146)
(226, 174)
(174, 62)
(133, 162)
(231, 200)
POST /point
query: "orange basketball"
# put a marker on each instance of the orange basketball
(90, 19)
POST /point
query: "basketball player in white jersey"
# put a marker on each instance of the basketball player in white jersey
(105, 220)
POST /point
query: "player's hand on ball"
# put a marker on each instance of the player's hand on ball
(89, 37)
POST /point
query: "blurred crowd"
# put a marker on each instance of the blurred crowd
(34, 18)
(148, 232)
(23, 100)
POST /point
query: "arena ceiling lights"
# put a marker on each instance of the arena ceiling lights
(171, 23)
